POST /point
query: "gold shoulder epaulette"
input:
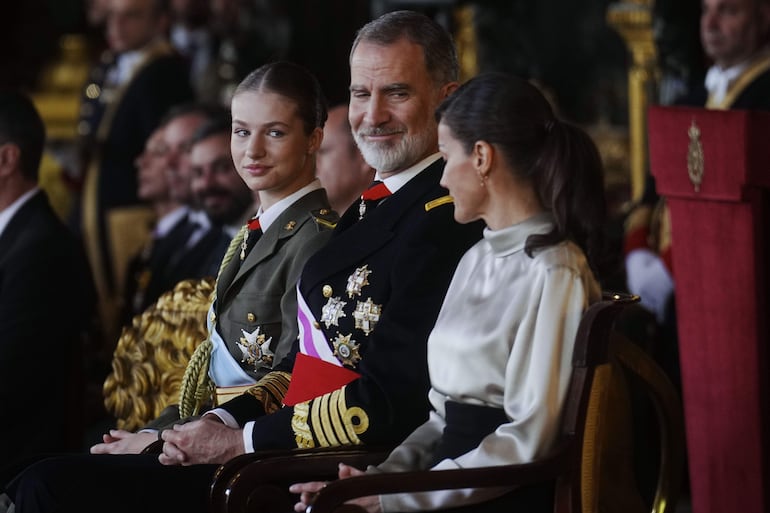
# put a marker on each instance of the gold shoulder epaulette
(325, 218)
(443, 200)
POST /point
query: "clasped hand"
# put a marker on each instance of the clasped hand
(201, 441)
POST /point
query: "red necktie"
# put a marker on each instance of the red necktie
(373, 195)
(376, 191)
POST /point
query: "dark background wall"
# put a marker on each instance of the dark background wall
(565, 45)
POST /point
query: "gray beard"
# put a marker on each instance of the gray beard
(386, 157)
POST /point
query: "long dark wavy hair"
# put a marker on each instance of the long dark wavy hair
(560, 159)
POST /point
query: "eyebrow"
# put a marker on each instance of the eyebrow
(397, 86)
(269, 124)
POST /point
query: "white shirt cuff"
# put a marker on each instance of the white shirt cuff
(224, 415)
(248, 440)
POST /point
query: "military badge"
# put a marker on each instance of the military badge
(361, 209)
(332, 311)
(346, 350)
(358, 280)
(255, 348)
(367, 314)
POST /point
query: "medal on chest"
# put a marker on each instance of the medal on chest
(255, 348)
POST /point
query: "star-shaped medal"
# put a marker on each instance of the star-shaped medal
(357, 281)
(332, 311)
(255, 348)
(366, 315)
(346, 350)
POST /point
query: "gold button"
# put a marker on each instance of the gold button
(324, 211)
(290, 225)
(251, 317)
(316, 325)
(93, 91)
(327, 291)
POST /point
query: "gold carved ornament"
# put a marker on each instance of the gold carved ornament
(695, 157)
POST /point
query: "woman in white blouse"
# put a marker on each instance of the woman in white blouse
(500, 353)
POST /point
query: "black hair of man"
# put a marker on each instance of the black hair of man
(218, 125)
(21, 125)
(204, 110)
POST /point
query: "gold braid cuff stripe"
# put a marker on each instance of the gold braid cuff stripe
(271, 390)
(333, 423)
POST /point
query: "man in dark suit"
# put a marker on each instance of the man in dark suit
(139, 78)
(366, 304)
(224, 200)
(46, 298)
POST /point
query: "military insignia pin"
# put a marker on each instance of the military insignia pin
(346, 350)
(361, 209)
(366, 315)
(244, 247)
(332, 311)
(255, 348)
(357, 281)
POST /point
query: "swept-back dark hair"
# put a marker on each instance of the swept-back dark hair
(560, 159)
(437, 44)
(295, 83)
(21, 124)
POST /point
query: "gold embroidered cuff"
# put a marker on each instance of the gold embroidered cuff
(302, 434)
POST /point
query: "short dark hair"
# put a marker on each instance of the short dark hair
(204, 110)
(214, 126)
(437, 44)
(295, 83)
(21, 124)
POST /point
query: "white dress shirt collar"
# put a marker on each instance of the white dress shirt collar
(267, 217)
(8, 212)
(398, 180)
(169, 221)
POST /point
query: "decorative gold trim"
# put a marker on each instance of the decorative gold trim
(302, 434)
(695, 156)
(325, 223)
(339, 427)
(756, 68)
(632, 19)
(443, 200)
(466, 41)
(270, 390)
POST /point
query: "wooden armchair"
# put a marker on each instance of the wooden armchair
(590, 463)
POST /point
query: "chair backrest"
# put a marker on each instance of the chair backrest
(591, 352)
(617, 420)
(603, 422)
